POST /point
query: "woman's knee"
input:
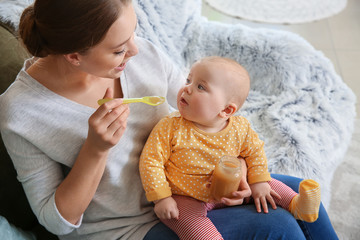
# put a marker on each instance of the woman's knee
(292, 182)
(243, 222)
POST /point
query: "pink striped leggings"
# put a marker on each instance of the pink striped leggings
(193, 222)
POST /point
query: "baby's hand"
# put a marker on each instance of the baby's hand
(166, 208)
(261, 193)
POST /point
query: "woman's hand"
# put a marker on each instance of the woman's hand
(244, 192)
(108, 123)
(239, 196)
(262, 193)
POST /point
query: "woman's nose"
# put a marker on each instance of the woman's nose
(132, 47)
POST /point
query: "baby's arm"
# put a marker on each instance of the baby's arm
(166, 208)
(152, 160)
(258, 174)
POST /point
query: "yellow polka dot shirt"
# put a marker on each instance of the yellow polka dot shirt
(178, 158)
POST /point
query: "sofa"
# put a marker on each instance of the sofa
(298, 104)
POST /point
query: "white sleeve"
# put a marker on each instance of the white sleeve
(40, 177)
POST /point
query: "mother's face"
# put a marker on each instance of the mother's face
(108, 58)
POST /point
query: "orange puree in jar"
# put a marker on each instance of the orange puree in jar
(226, 177)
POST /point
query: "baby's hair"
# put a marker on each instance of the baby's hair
(218, 58)
(67, 26)
(238, 95)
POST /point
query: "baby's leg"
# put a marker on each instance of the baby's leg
(305, 205)
(286, 193)
(193, 222)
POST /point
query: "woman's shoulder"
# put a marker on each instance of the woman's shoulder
(22, 98)
(146, 47)
(22, 80)
(150, 54)
(14, 92)
(22, 86)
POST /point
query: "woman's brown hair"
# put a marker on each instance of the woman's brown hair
(67, 26)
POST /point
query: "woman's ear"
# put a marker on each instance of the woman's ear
(73, 58)
(229, 110)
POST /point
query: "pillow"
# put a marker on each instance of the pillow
(8, 231)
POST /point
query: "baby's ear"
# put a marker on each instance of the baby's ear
(229, 110)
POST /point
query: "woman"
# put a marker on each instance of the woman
(78, 162)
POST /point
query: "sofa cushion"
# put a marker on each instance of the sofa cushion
(12, 55)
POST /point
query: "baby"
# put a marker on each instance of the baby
(184, 147)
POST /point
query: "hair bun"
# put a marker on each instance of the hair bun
(29, 33)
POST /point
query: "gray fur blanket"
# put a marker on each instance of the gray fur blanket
(298, 104)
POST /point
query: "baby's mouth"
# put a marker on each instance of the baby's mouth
(183, 101)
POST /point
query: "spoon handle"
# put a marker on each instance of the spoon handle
(105, 100)
(125, 100)
(132, 100)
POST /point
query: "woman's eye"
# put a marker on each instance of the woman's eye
(120, 52)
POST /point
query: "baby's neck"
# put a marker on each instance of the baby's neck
(214, 127)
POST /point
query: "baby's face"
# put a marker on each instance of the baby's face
(204, 95)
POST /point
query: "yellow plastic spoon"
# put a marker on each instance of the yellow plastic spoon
(151, 100)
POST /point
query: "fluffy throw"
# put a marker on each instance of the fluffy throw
(298, 104)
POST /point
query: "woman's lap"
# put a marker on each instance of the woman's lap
(243, 222)
(321, 228)
(160, 232)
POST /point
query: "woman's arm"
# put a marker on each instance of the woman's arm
(106, 127)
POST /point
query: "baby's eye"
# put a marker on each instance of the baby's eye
(201, 87)
(187, 81)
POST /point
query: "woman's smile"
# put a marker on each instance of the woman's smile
(121, 67)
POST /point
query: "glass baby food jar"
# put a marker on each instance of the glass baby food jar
(226, 177)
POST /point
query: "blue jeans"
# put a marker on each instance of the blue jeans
(243, 222)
